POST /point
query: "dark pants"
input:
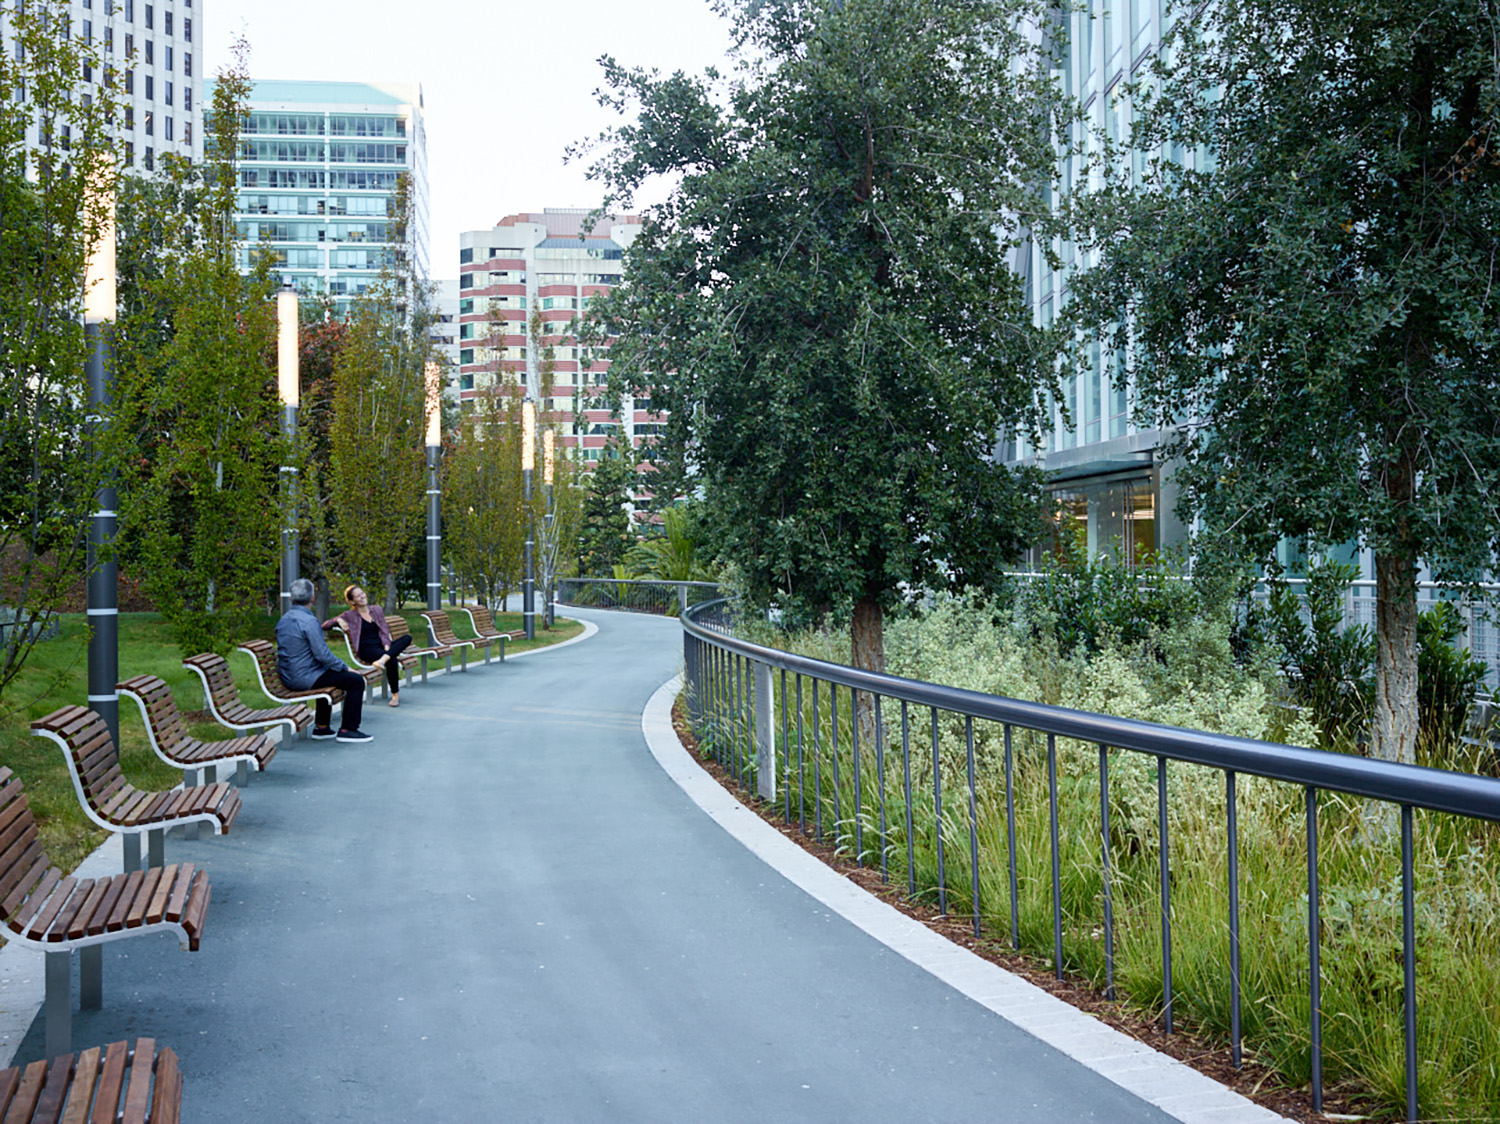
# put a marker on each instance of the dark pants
(369, 653)
(353, 687)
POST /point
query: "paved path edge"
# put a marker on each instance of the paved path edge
(1177, 1089)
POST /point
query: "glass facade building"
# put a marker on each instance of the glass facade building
(319, 165)
(1107, 474)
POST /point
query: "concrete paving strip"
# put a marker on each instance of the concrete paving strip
(22, 969)
(1177, 1089)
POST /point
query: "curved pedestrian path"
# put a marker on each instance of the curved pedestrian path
(504, 909)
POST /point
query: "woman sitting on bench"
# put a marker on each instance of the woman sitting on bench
(370, 637)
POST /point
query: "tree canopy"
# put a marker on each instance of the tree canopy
(826, 305)
(1305, 279)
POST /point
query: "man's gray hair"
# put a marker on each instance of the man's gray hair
(302, 592)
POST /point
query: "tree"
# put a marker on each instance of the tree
(825, 306)
(377, 465)
(197, 356)
(47, 224)
(604, 533)
(482, 507)
(1316, 297)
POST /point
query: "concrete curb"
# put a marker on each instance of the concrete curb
(1177, 1089)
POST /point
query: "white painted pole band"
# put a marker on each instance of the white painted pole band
(103, 612)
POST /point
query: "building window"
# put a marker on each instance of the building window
(167, 55)
(187, 30)
(187, 132)
(150, 124)
(150, 160)
(187, 97)
(109, 40)
(129, 44)
(150, 53)
(465, 280)
(129, 11)
(150, 16)
(466, 255)
(167, 22)
(150, 88)
(187, 64)
(130, 116)
(168, 91)
(130, 154)
(88, 73)
(466, 355)
(169, 129)
(88, 30)
(130, 81)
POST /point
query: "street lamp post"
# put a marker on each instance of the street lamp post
(99, 307)
(528, 469)
(289, 387)
(434, 493)
(549, 548)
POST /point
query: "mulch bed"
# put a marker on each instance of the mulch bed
(1253, 1080)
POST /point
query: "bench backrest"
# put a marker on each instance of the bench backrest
(398, 627)
(220, 680)
(264, 654)
(24, 866)
(441, 628)
(95, 758)
(483, 620)
(162, 714)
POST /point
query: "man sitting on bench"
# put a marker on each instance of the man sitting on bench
(304, 662)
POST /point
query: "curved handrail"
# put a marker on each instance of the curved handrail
(1435, 789)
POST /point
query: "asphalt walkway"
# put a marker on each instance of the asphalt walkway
(503, 909)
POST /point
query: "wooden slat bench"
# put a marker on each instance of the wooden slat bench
(483, 623)
(45, 908)
(199, 760)
(263, 652)
(114, 803)
(409, 658)
(222, 699)
(442, 633)
(128, 1082)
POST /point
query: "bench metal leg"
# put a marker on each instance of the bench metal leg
(132, 845)
(424, 670)
(156, 851)
(448, 663)
(242, 773)
(502, 649)
(59, 1004)
(463, 656)
(406, 669)
(91, 977)
(190, 780)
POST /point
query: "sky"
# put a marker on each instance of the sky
(507, 85)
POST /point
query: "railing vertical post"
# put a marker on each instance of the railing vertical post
(973, 820)
(786, 758)
(937, 809)
(1232, 813)
(885, 872)
(1010, 838)
(911, 855)
(1166, 893)
(1409, 962)
(765, 734)
(1057, 941)
(1109, 907)
(1314, 941)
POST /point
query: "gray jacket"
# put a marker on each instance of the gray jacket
(302, 654)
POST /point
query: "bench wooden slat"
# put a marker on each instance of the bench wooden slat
(136, 914)
(180, 889)
(138, 1090)
(166, 1100)
(111, 1081)
(122, 903)
(81, 1096)
(51, 876)
(55, 1092)
(54, 915)
(28, 1092)
(83, 905)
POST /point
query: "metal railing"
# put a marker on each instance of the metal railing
(732, 695)
(662, 598)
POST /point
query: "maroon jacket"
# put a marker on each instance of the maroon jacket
(351, 622)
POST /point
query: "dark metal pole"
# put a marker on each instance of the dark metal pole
(103, 585)
(291, 553)
(434, 532)
(551, 547)
(528, 587)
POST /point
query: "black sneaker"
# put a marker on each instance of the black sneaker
(354, 736)
(321, 732)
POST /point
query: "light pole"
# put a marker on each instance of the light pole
(434, 493)
(289, 387)
(99, 305)
(549, 548)
(528, 469)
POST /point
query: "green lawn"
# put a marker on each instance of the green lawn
(56, 675)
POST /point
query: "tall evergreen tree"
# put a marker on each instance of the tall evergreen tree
(1307, 274)
(826, 305)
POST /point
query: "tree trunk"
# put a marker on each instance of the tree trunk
(867, 652)
(391, 595)
(320, 598)
(1395, 659)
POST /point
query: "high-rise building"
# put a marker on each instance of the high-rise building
(320, 163)
(151, 52)
(551, 264)
(444, 328)
(1104, 470)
